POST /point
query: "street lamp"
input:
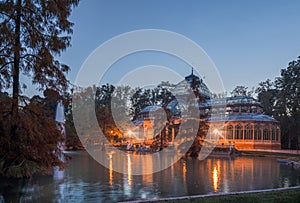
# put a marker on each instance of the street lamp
(129, 132)
(216, 131)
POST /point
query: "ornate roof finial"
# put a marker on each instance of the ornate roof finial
(192, 71)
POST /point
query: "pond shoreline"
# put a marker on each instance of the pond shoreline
(86, 179)
(287, 157)
(217, 196)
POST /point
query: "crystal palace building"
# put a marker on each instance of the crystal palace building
(239, 120)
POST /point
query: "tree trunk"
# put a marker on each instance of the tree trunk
(16, 69)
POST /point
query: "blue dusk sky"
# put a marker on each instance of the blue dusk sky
(248, 41)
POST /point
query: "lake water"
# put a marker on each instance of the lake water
(85, 180)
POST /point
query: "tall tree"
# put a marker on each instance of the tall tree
(287, 107)
(266, 94)
(32, 34)
(281, 99)
(241, 91)
(138, 102)
(120, 105)
(102, 101)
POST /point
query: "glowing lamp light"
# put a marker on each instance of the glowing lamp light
(216, 131)
(129, 132)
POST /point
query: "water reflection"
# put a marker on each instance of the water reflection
(110, 170)
(86, 180)
(216, 176)
(184, 170)
(128, 178)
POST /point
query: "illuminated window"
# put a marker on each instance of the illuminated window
(230, 132)
(248, 132)
(257, 132)
(266, 134)
(238, 132)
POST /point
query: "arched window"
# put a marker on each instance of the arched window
(238, 132)
(273, 133)
(229, 132)
(266, 134)
(248, 132)
(257, 132)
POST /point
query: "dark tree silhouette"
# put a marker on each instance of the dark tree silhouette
(241, 91)
(287, 105)
(32, 33)
(281, 99)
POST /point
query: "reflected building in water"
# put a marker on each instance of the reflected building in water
(85, 180)
(227, 175)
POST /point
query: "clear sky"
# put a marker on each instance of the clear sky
(249, 41)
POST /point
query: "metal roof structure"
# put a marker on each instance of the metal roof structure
(257, 117)
(230, 101)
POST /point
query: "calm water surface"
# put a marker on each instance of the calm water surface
(85, 180)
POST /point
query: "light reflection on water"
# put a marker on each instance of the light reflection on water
(216, 176)
(85, 180)
(110, 170)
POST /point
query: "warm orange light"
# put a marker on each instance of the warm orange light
(129, 178)
(215, 179)
(216, 131)
(184, 172)
(110, 170)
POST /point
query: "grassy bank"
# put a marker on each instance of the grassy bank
(284, 196)
(264, 153)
